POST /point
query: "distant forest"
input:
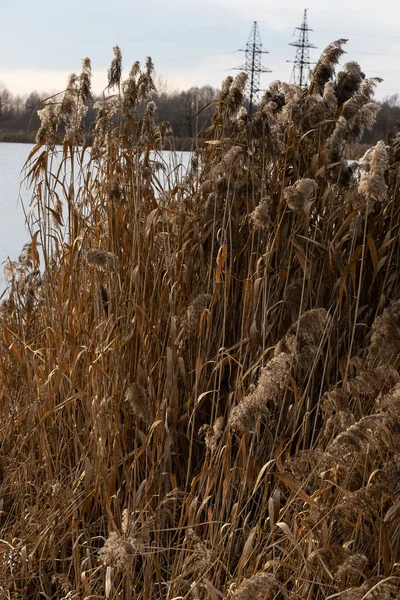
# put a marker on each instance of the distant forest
(188, 112)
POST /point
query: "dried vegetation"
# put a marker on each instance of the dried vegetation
(200, 390)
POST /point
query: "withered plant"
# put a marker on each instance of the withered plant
(200, 373)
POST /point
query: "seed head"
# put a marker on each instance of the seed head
(385, 338)
(85, 84)
(236, 92)
(115, 70)
(273, 380)
(300, 195)
(194, 310)
(260, 585)
(372, 186)
(261, 215)
(49, 121)
(324, 69)
(348, 82)
(137, 398)
(100, 259)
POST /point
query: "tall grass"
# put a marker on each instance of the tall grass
(200, 375)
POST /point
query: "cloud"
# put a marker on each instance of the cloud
(24, 81)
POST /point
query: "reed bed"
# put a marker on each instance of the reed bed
(200, 390)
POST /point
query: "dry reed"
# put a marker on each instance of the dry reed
(200, 385)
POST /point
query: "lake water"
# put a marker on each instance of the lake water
(13, 232)
(13, 197)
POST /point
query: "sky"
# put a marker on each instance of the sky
(192, 43)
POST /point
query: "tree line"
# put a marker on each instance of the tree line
(188, 112)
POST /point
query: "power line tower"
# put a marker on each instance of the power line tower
(301, 67)
(253, 67)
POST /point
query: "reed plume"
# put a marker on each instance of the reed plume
(115, 70)
(324, 69)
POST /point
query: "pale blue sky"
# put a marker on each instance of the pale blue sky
(191, 42)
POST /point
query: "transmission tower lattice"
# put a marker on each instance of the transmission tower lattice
(302, 63)
(253, 67)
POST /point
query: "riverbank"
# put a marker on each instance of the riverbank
(19, 136)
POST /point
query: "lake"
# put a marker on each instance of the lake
(13, 197)
(13, 232)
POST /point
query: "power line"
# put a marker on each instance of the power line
(253, 66)
(301, 66)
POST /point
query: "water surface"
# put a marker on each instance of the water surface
(13, 232)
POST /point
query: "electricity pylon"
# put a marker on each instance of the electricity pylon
(253, 66)
(301, 67)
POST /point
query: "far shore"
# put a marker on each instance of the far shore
(28, 137)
